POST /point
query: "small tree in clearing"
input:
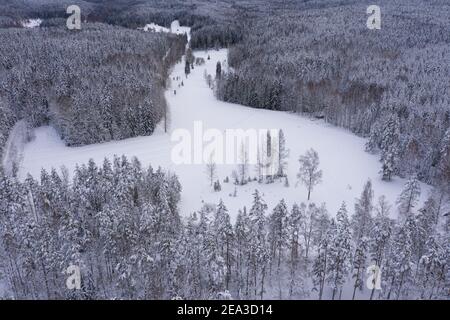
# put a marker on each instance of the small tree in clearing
(242, 168)
(309, 173)
(218, 70)
(211, 169)
(187, 68)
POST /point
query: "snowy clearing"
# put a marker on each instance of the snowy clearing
(345, 164)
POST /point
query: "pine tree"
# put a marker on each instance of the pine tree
(408, 197)
(278, 231)
(294, 227)
(432, 268)
(277, 236)
(362, 218)
(380, 236)
(400, 270)
(223, 231)
(359, 264)
(259, 254)
(308, 226)
(339, 253)
(389, 143)
(242, 232)
(320, 267)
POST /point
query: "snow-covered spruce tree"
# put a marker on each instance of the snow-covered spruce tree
(389, 145)
(294, 227)
(13, 225)
(277, 233)
(399, 271)
(192, 244)
(223, 231)
(320, 221)
(206, 241)
(320, 267)
(359, 263)
(259, 255)
(277, 238)
(361, 220)
(215, 267)
(242, 231)
(308, 226)
(309, 173)
(408, 198)
(380, 236)
(431, 276)
(427, 220)
(168, 228)
(339, 253)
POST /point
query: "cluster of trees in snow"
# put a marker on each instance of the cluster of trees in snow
(119, 223)
(99, 84)
(390, 85)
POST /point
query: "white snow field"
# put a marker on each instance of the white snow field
(345, 164)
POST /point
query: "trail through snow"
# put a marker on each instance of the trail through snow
(345, 164)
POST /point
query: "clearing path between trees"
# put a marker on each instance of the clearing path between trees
(345, 165)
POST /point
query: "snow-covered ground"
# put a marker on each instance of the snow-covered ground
(345, 164)
(31, 23)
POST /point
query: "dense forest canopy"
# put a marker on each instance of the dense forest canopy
(99, 84)
(119, 221)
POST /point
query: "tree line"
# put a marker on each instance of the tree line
(120, 224)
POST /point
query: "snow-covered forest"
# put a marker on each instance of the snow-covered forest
(390, 86)
(121, 223)
(358, 208)
(50, 76)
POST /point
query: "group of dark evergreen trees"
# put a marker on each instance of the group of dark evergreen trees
(119, 223)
